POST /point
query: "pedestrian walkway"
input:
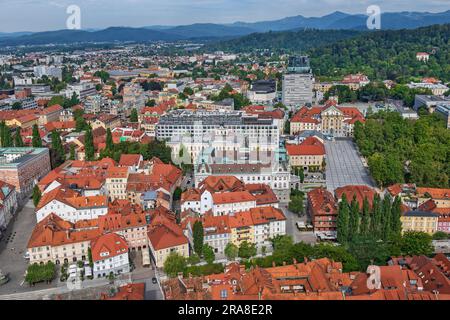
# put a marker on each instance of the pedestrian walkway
(344, 165)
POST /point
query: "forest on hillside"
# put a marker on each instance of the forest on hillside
(388, 54)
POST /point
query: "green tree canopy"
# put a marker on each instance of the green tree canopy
(174, 264)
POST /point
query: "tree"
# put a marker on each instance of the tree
(174, 264)
(231, 251)
(343, 220)
(89, 145)
(354, 219)
(102, 75)
(36, 140)
(440, 235)
(38, 273)
(375, 223)
(247, 250)
(72, 152)
(80, 122)
(208, 254)
(188, 91)
(7, 140)
(386, 217)
(134, 115)
(287, 127)
(150, 103)
(365, 220)
(416, 243)
(296, 204)
(109, 140)
(16, 105)
(56, 100)
(18, 142)
(396, 213)
(193, 259)
(177, 194)
(91, 261)
(57, 145)
(36, 195)
(198, 237)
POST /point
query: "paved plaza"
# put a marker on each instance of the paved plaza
(344, 165)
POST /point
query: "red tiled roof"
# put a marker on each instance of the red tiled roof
(232, 197)
(107, 246)
(360, 191)
(164, 233)
(129, 160)
(310, 146)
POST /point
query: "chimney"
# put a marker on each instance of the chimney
(306, 260)
(294, 260)
(284, 263)
(273, 264)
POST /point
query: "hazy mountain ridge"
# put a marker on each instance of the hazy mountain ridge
(334, 21)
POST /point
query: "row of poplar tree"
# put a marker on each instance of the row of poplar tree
(381, 222)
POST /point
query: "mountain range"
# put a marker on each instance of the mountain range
(336, 21)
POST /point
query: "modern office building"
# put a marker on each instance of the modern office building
(298, 82)
(23, 167)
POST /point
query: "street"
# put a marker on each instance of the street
(12, 249)
(291, 228)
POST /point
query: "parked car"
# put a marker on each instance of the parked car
(26, 255)
(154, 281)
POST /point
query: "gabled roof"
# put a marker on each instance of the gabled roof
(164, 233)
(107, 246)
(310, 146)
(128, 160)
(232, 197)
(54, 231)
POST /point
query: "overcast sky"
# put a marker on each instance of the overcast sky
(43, 15)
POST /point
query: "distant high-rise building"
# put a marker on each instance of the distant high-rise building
(297, 82)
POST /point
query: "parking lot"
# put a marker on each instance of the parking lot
(344, 166)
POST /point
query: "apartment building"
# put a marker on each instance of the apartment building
(309, 154)
(71, 206)
(420, 221)
(322, 209)
(109, 255)
(165, 237)
(54, 239)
